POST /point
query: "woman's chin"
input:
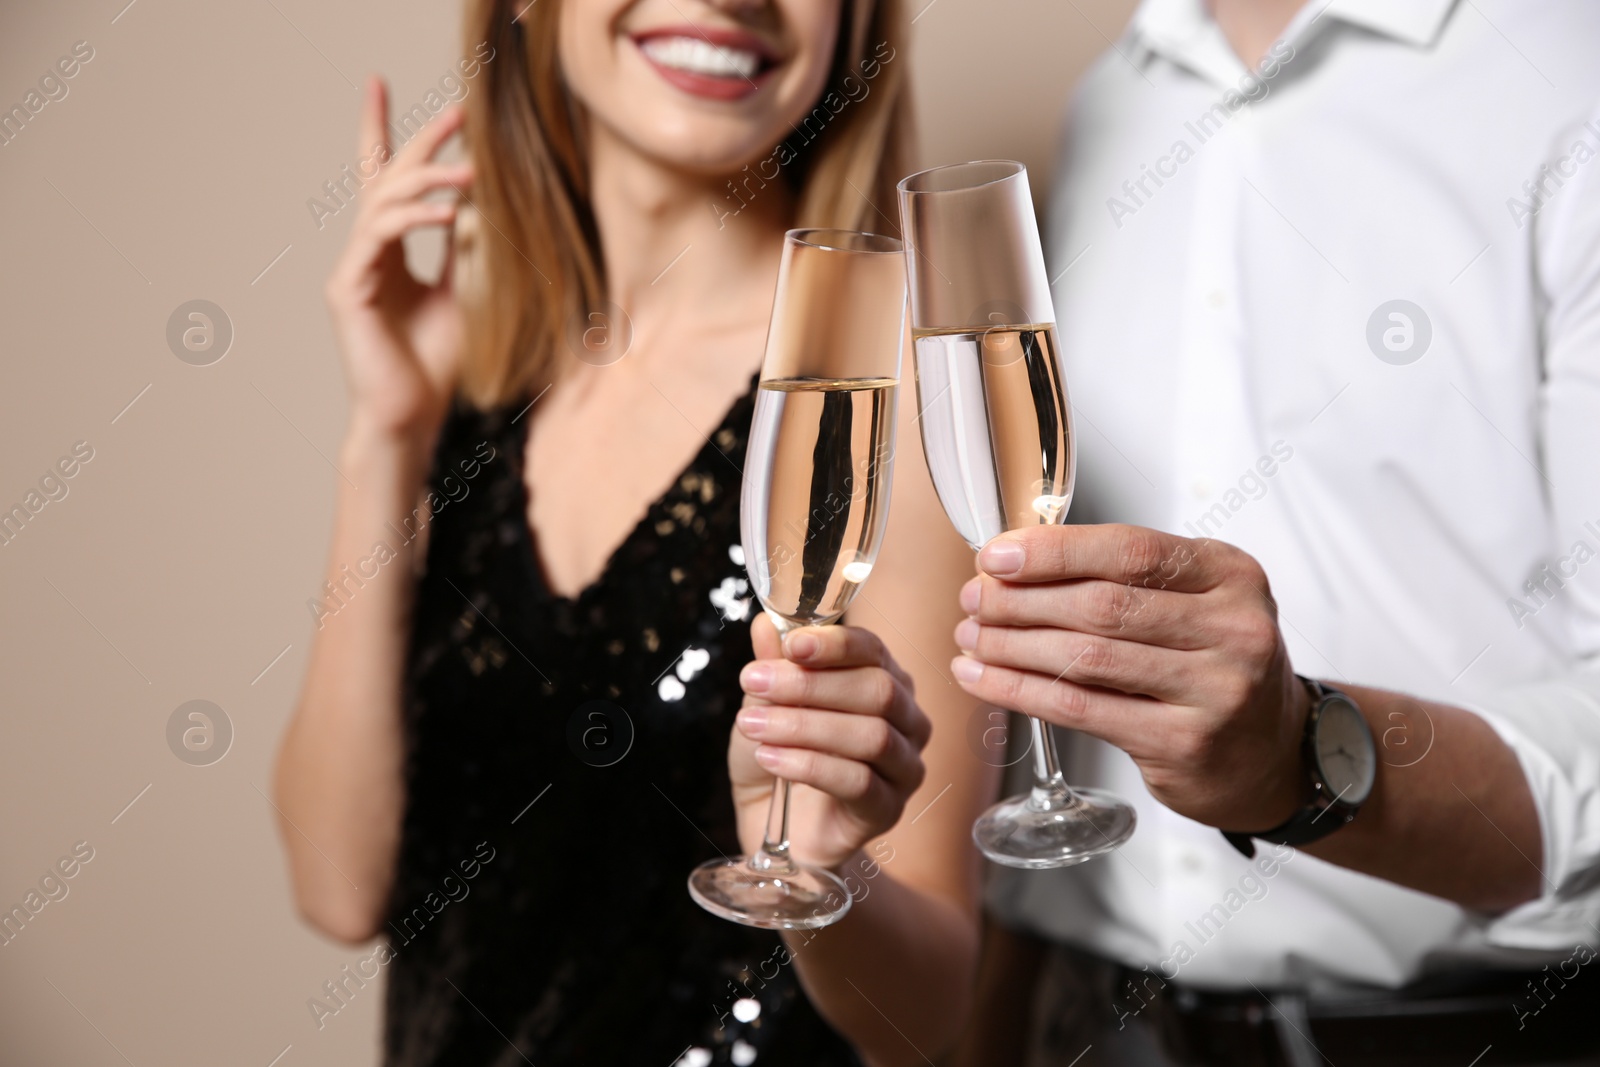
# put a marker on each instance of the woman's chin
(715, 155)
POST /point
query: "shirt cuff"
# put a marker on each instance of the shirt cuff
(1554, 729)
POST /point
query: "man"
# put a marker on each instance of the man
(1330, 314)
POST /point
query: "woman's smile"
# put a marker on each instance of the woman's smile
(717, 64)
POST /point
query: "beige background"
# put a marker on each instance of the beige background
(179, 563)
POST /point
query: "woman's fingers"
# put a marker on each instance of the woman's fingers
(374, 121)
(411, 172)
(357, 279)
(419, 181)
(401, 219)
(435, 133)
(851, 782)
(829, 647)
(861, 738)
(836, 713)
(870, 691)
(399, 197)
(764, 637)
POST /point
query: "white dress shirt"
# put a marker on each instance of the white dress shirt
(1421, 481)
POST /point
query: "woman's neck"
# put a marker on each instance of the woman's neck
(673, 252)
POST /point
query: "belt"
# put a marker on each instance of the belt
(1477, 1019)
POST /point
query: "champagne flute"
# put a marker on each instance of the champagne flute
(997, 431)
(813, 505)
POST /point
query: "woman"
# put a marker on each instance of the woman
(509, 765)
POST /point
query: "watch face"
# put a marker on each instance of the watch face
(1345, 754)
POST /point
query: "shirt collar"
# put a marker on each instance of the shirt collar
(1416, 22)
(1184, 32)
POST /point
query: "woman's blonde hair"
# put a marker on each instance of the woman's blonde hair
(528, 255)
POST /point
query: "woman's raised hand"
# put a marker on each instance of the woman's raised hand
(832, 710)
(401, 338)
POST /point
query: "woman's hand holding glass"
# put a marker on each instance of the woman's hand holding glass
(830, 709)
(813, 504)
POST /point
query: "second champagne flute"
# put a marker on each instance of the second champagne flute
(997, 431)
(814, 502)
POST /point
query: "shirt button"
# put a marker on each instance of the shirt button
(1200, 488)
(1217, 299)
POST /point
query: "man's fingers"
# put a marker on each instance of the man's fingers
(836, 733)
(1112, 552)
(1124, 721)
(1088, 659)
(1128, 612)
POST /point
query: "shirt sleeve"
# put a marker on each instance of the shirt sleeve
(1553, 723)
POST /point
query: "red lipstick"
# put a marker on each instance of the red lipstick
(732, 85)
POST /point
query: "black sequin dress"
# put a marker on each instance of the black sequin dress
(566, 769)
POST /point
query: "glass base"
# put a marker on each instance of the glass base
(783, 897)
(1053, 827)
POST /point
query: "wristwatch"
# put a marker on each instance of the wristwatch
(1341, 762)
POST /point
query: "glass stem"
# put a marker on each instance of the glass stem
(774, 854)
(1050, 790)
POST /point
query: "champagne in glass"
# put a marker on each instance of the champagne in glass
(813, 505)
(996, 428)
(812, 514)
(997, 431)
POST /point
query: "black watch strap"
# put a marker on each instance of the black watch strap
(1324, 813)
(1311, 823)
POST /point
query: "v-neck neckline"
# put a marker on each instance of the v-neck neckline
(652, 511)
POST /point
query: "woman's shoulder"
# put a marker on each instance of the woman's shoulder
(473, 435)
(476, 469)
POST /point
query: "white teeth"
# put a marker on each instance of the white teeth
(701, 57)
